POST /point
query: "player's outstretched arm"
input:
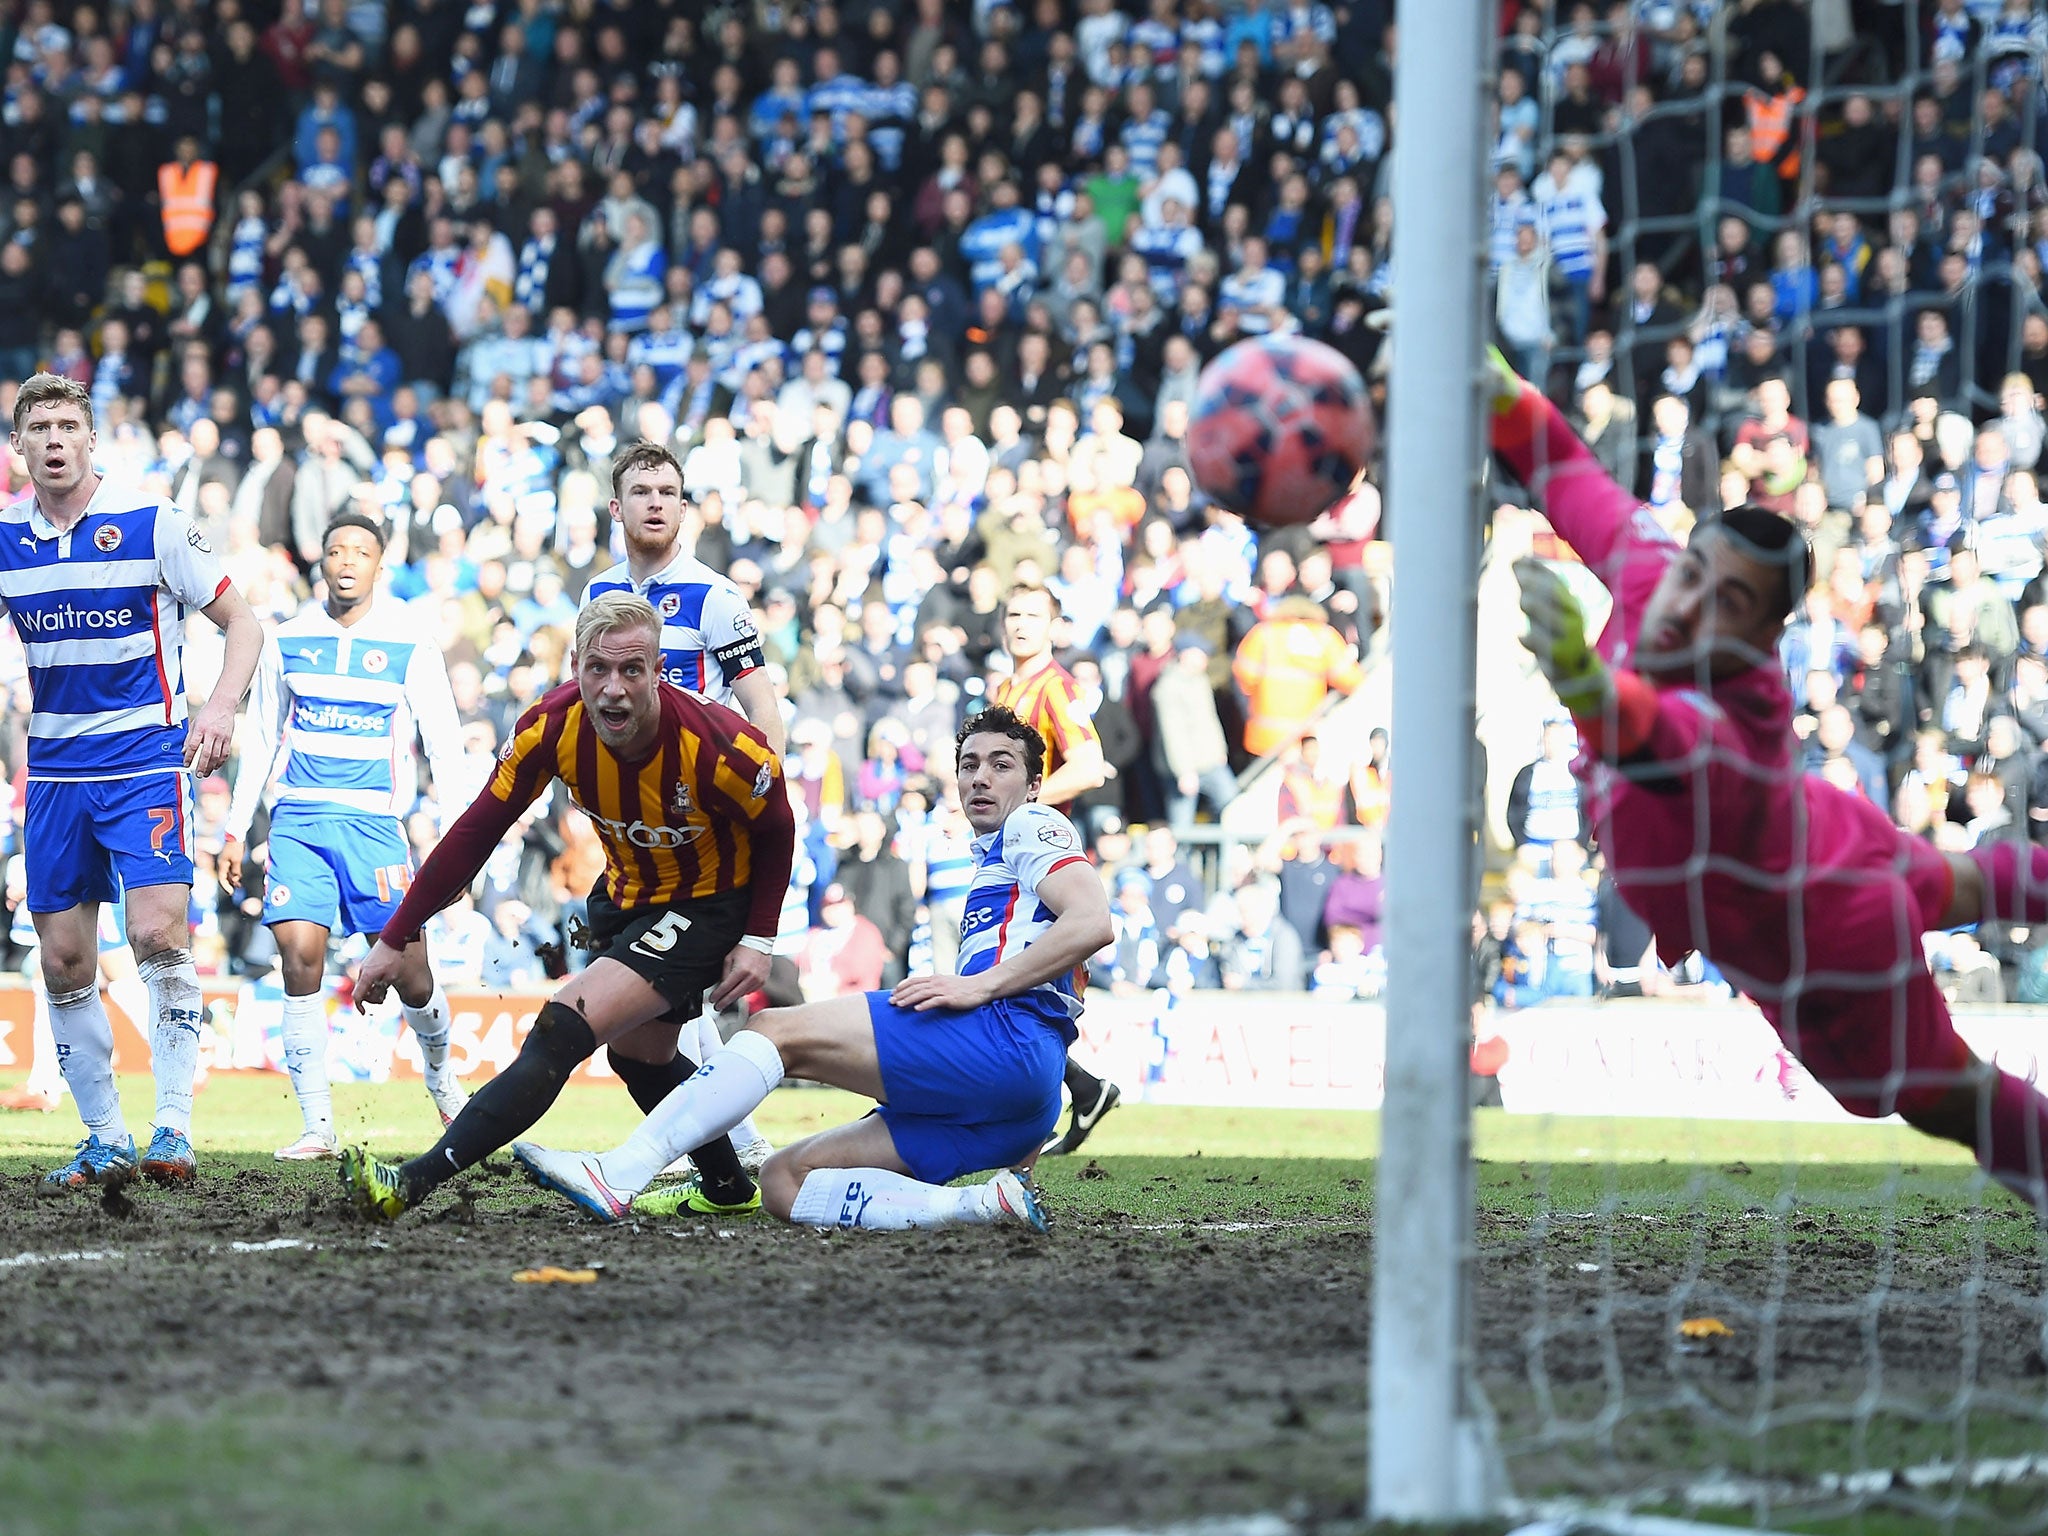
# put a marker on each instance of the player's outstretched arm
(436, 719)
(1086, 769)
(1080, 907)
(1082, 765)
(211, 735)
(772, 835)
(1529, 433)
(735, 645)
(262, 729)
(525, 770)
(1620, 715)
(456, 860)
(756, 692)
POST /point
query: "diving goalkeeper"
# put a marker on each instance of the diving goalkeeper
(1805, 896)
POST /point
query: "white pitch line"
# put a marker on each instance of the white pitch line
(1554, 1517)
(1627, 1525)
(1934, 1474)
(87, 1256)
(105, 1255)
(1245, 1525)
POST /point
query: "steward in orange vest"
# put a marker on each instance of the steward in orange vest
(185, 187)
(1286, 667)
(1776, 128)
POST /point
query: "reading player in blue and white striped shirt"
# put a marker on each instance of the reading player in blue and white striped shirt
(99, 580)
(339, 694)
(709, 645)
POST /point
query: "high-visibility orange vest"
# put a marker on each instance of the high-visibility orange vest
(187, 196)
(1771, 127)
(1286, 666)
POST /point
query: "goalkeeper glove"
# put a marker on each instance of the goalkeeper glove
(1557, 639)
(1504, 384)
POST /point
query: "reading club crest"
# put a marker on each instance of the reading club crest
(107, 539)
(670, 605)
(375, 661)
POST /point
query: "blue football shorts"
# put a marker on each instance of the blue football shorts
(90, 840)
(346, 873)
(969, 1090)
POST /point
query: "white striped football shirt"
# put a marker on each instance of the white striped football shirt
(1004, 914)
(101, 614)
(333, 713)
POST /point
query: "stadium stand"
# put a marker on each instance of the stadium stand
(920, 294)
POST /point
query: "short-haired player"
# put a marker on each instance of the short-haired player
(965, 1068)
(709, 643)
(343, 688)
(99, 580)
(687, 802)
(1044, 695)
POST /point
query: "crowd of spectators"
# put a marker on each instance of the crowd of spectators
(918, 293)
(921, 294)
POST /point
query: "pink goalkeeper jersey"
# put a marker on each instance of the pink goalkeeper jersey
(1715, 837)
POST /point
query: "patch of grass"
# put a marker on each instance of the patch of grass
(269, 1467)
(254, 1112)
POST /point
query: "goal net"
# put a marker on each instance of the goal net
(1784, 256)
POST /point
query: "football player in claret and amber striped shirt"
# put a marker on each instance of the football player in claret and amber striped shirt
(1042, 693)
(687, 800)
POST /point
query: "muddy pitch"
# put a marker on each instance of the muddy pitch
(789, 1379)
(775, 1380)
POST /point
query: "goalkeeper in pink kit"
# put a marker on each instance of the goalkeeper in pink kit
(1805, 896)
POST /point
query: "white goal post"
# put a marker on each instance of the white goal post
(1431, 1458)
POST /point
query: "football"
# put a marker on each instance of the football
(1279, 430)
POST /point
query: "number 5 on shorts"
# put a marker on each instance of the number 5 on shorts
(661, 938)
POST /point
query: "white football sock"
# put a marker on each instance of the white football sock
(127, 993)
(429, 1026)
(84, 1041)
(708, 1043)
(881, 1201)
(174, 1007)
(710, 1104)
(44, 1076)
(305, 1060)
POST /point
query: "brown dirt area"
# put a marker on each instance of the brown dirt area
(975, 1379)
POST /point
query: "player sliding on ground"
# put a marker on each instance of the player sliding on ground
(1806, 896)
(340, 691)
(687, 801)
(966, 1068)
